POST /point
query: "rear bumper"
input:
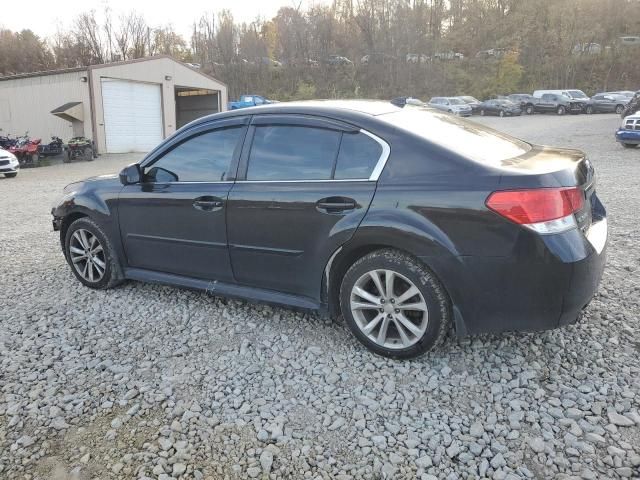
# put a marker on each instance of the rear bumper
(628, 136)
(544, 284)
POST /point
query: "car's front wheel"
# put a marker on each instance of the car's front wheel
(90, 254)
(619, 109)
(529, 110)
(394, 304)
(561, 110)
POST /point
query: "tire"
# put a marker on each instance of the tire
(588, 110)
(619, 109)
(529, 110)
(629, 145)
(87, 154)
(35, 159)
(11, 175)
(561, 110)
(482, 113)
(501, 114)
(428, 327)
(111, 271)
(67, 159)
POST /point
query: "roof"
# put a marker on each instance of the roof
(65, 107)
(104, 65)
(43, 73)
(369, 107)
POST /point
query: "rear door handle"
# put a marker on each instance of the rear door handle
(336, 204)
(207, 203)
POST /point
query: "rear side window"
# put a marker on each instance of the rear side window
(203, 158)
(283, 152)
(358, 156)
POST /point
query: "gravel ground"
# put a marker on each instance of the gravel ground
(150, 381)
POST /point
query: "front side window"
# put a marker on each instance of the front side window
(202, 158)
(283, 152)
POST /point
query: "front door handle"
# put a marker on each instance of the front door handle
(208, 203)
(336, 204)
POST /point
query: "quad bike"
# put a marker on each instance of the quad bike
(26, 151)
(52, 148)
(6, 141)
(80, 147)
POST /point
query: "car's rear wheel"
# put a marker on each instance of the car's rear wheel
(482, 113)
(90, 254)
(589, 110)
(619, 109)
(561, 110)
(394, 304)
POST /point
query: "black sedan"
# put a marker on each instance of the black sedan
(606, 103)
(405, 221)
(500, 107)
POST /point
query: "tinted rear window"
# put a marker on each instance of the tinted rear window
(358, 156)
(464, 137)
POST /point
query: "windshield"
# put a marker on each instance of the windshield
(577, 94)
(456, 101)
(466, 138)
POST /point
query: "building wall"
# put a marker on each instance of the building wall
(26, 103)
(155, 71)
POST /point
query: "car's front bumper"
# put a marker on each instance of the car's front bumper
(628, 136)
(10, 168)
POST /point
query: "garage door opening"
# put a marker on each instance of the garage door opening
(192, 104)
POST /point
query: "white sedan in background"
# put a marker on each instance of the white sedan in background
(9, 164)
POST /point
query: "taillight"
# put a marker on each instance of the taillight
(544, 210)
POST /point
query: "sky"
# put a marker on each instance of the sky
(44, 17)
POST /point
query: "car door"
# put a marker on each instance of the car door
(304, 184)
(173, 221)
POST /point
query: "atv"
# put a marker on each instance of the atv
(26, 151)
(52, 148)
(80, 147)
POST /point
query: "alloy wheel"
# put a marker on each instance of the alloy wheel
(389, 309)
(87, 255)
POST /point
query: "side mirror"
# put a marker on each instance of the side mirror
(130, 174)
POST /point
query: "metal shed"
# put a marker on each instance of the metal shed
(124, 107)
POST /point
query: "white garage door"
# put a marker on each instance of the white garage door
(132, 115)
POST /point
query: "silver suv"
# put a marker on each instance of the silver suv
(452, 105)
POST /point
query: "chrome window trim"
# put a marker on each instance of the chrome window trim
(375, 173)
(384, 156)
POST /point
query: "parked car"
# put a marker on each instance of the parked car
(625, 93)
(553, 102)
(377, 59)
(403, 101)
(628, 135)
(405, 221)
(500, 107)
(248, 101)
(451, 105)
(606, 103)
(473, 102)
(448, 56)
(9, 164)
(587, 48)
(338, 60)
(417, 58)
(575, 95)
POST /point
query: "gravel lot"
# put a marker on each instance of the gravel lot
(150, 381)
